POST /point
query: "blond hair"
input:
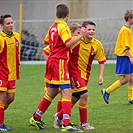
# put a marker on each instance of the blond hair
(74, 26)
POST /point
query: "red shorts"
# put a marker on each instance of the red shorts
(57, 72)
(78, 84)
(8, 86)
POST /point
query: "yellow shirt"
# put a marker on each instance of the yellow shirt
(125, 39)
(9, 56)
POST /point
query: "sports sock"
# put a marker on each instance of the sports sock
(130, 93)
(66, 107)
(1, 114)
(59, 105)
(83, 113)
(42, 107)
(113, 87)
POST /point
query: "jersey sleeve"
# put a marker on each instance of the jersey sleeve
(46, 50)
(124, 39)
(1, 45)
(100, 56)
(46, 39)
(64, 33)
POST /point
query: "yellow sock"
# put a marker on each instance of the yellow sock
(130, 93)
(113, 87)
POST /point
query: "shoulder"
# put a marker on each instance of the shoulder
(63, 26)
(16, 34)
(96, 41)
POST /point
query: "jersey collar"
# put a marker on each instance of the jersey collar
(91, 41)
(7, 35)
(60, 21)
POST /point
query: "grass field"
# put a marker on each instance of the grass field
(113, 118)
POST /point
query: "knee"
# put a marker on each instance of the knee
(131, 78)
(84, 97)
(125, 80)
(10, 99)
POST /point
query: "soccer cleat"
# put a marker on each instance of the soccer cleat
(70, 128)
(37, 124)
(105, 95)
(57, 121)
(4, 128)
(86, 126)
(130, 102)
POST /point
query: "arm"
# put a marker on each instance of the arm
(45, 56)
(129, 55)
(101, 72)
(46, 52)
(74, 40)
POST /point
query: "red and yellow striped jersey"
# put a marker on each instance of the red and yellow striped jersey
(9, 56)
(125, 38)
(82, 55)
(58, 35)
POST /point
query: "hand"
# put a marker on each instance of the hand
(82, 31)
(131, 59)
(100, 80)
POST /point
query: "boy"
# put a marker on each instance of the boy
(124, 61)
(79, 66)
(9, 65)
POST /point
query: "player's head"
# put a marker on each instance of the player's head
(62, 11)
(91, 29)
(75, 28)
(6, 23)
(128, 15)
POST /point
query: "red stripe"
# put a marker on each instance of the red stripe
(91, 57)
(17, 59)
(4, 71)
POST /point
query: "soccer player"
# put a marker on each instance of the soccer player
(75, 31)
(9, 65)
(59, 39)
(79, 66)
(124, 61)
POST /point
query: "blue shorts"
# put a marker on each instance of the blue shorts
(61, 86)
(123, 65)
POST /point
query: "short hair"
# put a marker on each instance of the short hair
(62, 11)
(74, 26)
(85, 23)
(128, 14)
(2, 17)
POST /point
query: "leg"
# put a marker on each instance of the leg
(10, 99)
(130, 90)
(114, 86)
(66, 105)
(42, 107)
(3, 99)
(83, 111)
(83, 108)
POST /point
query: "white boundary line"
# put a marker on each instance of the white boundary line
(44, 62)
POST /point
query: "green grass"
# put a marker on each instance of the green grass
(113, 118)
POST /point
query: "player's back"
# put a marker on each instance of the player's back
(58, 35)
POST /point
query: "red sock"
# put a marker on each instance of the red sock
(1, 114)
(42, 107)
(59, 105)
(83, 113)
(66, 107)
(60, 114)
